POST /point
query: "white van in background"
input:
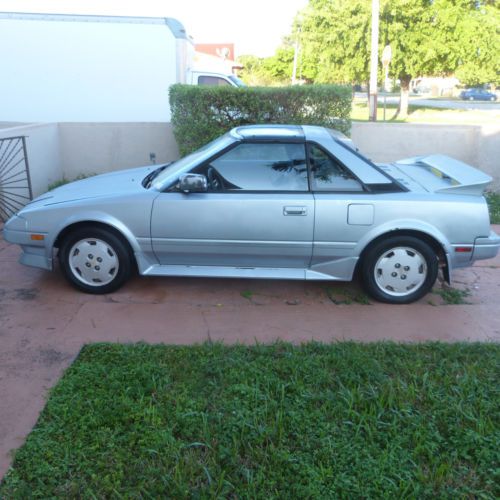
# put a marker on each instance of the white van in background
(72, 68)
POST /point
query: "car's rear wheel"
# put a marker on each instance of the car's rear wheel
(95, 260)
(399, 270)
(492, 98)
(471, 98)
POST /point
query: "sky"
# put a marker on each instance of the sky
(254, 26)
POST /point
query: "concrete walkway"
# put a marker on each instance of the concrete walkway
(44, 322)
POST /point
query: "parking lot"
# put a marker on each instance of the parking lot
(44, 322)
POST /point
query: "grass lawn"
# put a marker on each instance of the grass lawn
(314, 421)
(494, 206)
(424, 114)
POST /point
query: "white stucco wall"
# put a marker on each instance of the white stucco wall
(42, 145)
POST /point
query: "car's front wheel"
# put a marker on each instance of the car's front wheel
(399, 270)
(95, 260)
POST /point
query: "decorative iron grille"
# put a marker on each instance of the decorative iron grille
(15, 183)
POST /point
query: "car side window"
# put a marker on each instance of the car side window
(328, 174)
(212, 81)
(259, 167)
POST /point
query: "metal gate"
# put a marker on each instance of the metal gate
(15, 183)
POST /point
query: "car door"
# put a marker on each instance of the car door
(258, 211)
(344, 212)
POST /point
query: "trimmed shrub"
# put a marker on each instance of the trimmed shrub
(202, 113)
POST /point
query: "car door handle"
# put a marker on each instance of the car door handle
(294, 210)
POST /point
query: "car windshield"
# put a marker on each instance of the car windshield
(237, 81)
(184, 164)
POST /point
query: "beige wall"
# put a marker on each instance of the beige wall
(88, 148)
(42, 145)
(71, 149)
(476, 145)
(488, 152)
(67, 150)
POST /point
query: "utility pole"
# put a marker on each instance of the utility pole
(372, 97)
(386, 60)
(296, 57)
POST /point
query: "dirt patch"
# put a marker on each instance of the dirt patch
(25, 293)
(50, 357)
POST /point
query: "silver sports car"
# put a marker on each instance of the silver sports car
(283, 201)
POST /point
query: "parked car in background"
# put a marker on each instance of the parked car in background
(477, 95)
(421, 90)
(269, 202)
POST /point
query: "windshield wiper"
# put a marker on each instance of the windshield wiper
(148, 180)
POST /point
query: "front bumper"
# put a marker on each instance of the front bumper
(34, 253)
(486, 248)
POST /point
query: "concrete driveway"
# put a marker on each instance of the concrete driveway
(44, 322)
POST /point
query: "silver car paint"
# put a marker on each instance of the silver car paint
(251, 234)
(237, 229)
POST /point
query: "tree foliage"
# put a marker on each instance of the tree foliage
(427, 37)
(274, 70)
(335, 40)
(477, 41)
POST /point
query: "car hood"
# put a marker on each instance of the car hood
(439, 174)
(115, 183)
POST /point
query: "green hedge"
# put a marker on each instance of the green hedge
(201, 113)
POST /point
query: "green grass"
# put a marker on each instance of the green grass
(452, 296)
(493, 200)
(247, 294)
(344, 420)
(426, 114)
(345, 296)
(360, 112)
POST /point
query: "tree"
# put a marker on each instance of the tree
(428, 38)
(268, 71)
(477, 43)
(410, 26)
(441, 37)
(335, 41)
(279, 66)
(253, 72)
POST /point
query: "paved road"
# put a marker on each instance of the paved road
(44, 322)
(439, 103)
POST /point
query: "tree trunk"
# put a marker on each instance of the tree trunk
(404, 99)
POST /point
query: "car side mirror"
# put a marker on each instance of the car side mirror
(193, 183)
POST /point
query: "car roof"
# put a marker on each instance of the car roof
(269, 132)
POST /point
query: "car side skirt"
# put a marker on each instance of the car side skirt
(337, 270)
(240, 272)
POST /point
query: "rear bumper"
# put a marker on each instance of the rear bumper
(486, 248)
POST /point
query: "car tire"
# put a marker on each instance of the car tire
(399, 269)
(471, 98)
(95, 260)
(492, 98)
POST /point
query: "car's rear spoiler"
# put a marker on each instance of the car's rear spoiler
(440, 173)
